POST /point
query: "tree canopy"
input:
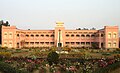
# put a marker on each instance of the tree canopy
(52, 58)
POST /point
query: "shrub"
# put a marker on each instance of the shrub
(6, 68)
(5, 54)
(108, 68)
(118, 49)
(12, 48)
(52, 58)
(18, 51)
(4, 47)
(0, 47)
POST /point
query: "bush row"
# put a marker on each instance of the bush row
(109, 68)
(6, 68)
(5, 54)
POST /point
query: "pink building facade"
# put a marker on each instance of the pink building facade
(107, 37)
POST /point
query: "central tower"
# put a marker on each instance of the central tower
(59, 34)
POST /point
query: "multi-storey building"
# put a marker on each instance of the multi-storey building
(107, 37)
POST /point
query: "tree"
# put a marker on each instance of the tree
(93, 28)
(52, 58)
(1, 22)
(78, 29)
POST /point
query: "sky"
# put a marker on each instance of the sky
(43, 14)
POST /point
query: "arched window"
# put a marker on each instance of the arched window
(26, 43)
(52, 35)
(52, 43)
(114, 35)
(87, 43)
(109, 35)
(17, 35)
(42, 43)
(47, 35)
(72, 35)
(77, 35)
(67, 35)
(82, 43)
(92, 35)
(109, 44)
(87, 35)
(32, 43)
(5, 44)
(102, 35)
(32, 35)
(114, 44)
(10, 44)
(82, 35)
(37, 35)
(47, 43)
(5, 35)
(37, 43)
(77, 43)
(27, 35)
(42, 35)
(10, 35)
(72, 43)
(67, 42)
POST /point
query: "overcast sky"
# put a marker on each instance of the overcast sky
(42, 14)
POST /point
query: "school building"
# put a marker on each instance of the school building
(108, 37)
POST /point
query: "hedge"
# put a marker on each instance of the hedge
(108, 68)
(6, 68)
